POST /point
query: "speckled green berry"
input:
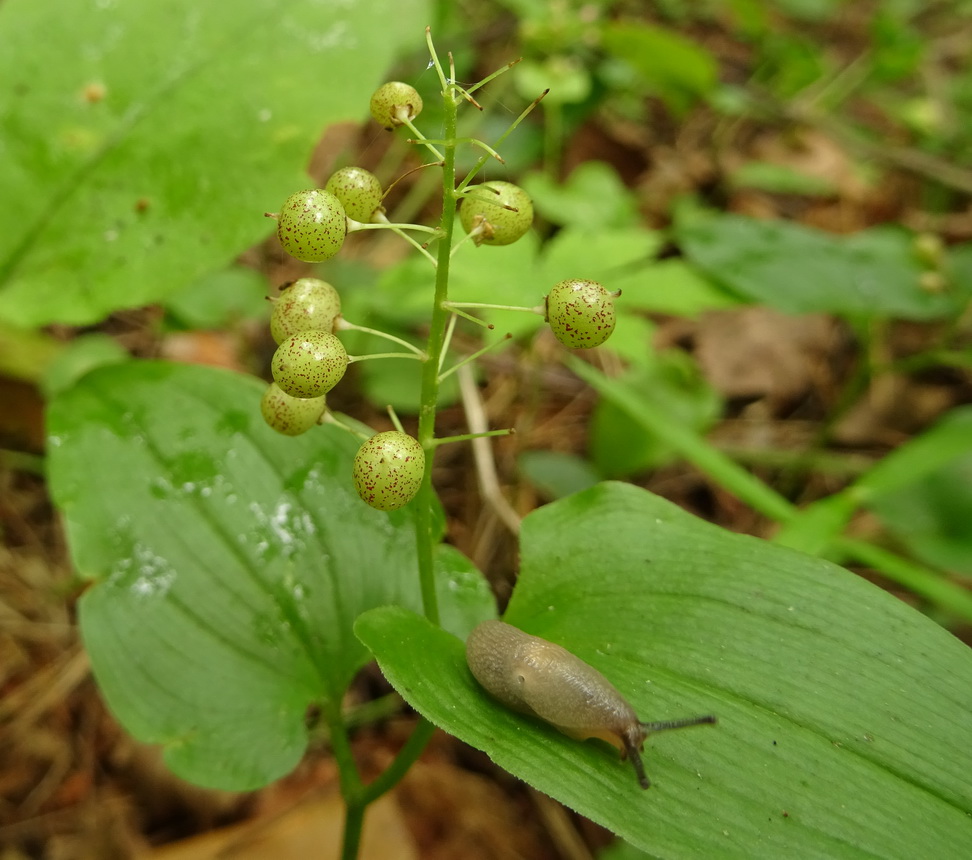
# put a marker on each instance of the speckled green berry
(358, 190)
(290, 415)
(484, 213)
(388, 470)
(307, 304)
(394, 100)
(312, 225)
(581, 313)
(309, 364)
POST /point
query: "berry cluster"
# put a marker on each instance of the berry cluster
(310, 359)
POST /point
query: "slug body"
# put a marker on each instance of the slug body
(542, 679)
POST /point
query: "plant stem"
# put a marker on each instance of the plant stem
(403, 761)
(351, 788)
(424, 527)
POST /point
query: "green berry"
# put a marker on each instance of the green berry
(395, 100)
(290, 415)
(358, 190)
(312, 225)
(388, 470)
(305, 305)
(309, 364)
(581, 313)
(498, 212)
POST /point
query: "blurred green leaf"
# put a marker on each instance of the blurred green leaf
(620, 446)
(229, 564)
(80, 356)
(671, 66)
(593, 197)
(798, 269)
(932, 516)
(818, 679)
(556, 474)
(221, 298)
(565, 77)
(673, 287)
(780, 179)
(144, 139)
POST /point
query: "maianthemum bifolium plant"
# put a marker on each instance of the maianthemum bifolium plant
(247, 575)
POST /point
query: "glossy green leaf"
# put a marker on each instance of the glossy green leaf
(228, 564)
(798, 269)
(843, 713)
(144, 139)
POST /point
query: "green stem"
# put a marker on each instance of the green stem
(370, 356)
(406, 757)
(466, 437)
(341, 324)
(356, 226)
(424, 526)
(538, 309)
(470, 358)
(352, 789)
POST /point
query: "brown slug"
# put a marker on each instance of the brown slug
(537, 677)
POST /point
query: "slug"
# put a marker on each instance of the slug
(537, 677)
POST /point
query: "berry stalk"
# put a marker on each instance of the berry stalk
(424, 533)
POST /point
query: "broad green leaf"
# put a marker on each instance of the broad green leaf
(844, 725)
(228, 564)
(798, 269)
(144, 139)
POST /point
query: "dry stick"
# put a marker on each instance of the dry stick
(476, 421)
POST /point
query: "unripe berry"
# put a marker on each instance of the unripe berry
(312, 225)
(388, 470)
(309, 364)
(484, 210)
(290, 415)
(393, 101)
(307, 304)
(358, 190)
(581, 313)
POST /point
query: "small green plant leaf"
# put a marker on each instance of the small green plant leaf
(556, 474)
(670, 66)
(843, 713)
(798, 269)
(673, 287)
(228, 564)
(593, 197)
(144, 141)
